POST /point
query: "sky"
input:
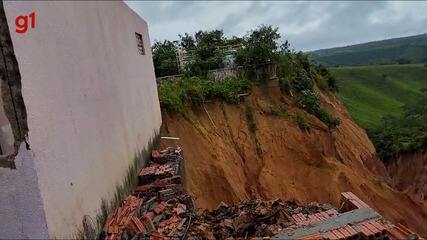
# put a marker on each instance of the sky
(307, 25)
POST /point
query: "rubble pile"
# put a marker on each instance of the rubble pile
(158, 208)
(250, 218)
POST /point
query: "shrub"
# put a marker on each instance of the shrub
(302, 82)
(310, 101)
(302, 122)
(174, 94)
(279, 111)
(195, 89)
(328, 119)
(336, 121)
(229, 89)
(171, 96)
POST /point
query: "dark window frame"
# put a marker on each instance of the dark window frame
(140, 43)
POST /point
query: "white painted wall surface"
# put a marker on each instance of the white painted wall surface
(91, 101)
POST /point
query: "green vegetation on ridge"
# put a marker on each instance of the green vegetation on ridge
(260, 49)
(406, 134)
(373, 92)
(403, 50)
(390, 102)
(174, 94)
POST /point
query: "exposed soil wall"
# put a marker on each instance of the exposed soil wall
(409, 174)
(227, 162)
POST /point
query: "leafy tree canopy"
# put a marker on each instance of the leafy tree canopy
(164, 58)
(203, 47)
(260, 46)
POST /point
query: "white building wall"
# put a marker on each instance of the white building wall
(91, 102)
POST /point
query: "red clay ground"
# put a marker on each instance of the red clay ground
(226, 162)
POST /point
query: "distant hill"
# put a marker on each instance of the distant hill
(403, 50)
(372, 92)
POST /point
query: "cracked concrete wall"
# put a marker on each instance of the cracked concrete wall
(91, 102)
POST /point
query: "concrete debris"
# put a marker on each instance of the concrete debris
(159, 208)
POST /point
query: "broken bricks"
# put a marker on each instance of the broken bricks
(159, 207)
(156, 172)
(167, 155)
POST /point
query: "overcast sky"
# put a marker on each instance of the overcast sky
(307, 25)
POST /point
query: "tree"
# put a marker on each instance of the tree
(284, 48)
(187, 41)
(205, 55)
(164, 58)
(260, 46)
(234, 41)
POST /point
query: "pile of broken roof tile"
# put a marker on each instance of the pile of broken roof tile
(158, 208)
(356, 220)
(252, 218)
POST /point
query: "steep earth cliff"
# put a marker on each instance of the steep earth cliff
(409, 174)
(227, 161)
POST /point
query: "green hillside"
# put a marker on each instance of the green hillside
(411, 49)
(371, 92)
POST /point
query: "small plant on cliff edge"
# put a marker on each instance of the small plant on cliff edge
(250, 120)
(279, 111)
(310, 101)
(302, 122)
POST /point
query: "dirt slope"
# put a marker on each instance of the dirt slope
(409, 174)
(226, 162)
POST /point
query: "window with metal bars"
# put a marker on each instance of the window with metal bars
(140, 43)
